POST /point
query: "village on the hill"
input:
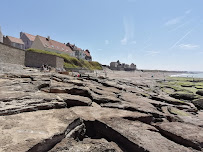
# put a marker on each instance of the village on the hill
(27, 41)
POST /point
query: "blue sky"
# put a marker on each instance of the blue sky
(153, 34)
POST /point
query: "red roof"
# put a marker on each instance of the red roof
(55, 45)
(74, 47)
(31, 37)
(15, 40)
(87, 53)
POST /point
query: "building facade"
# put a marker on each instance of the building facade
(88, 57)
(43, 43)
(1, 36)
(78, 51)
(122, 66)
(28, 39)
(14, 42)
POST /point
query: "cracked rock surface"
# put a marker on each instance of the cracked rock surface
(42, 112)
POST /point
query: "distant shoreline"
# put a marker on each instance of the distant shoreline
(189, 75)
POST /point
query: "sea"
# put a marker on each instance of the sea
(189, 75)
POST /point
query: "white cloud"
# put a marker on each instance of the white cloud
(152, 53)
(182, 38)
(124, 41)
(129, 30)
(174, 21)
(188, 46)
(180, 26)
(178, 19)
(106, 42)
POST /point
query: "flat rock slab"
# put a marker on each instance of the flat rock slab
(87, 145)
(139, 103)
(73, 100)
(21, 132)
(196, 120)
(18, 102)
(137, 136)
(185, 134)
(97, 113)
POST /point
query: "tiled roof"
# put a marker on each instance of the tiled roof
(15, 40)
(31, 37)
(74, 47)
(55, 45)
(87, 53)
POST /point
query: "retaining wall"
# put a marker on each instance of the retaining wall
(9, 54)
(34, 59)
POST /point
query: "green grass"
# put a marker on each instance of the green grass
(72, 62)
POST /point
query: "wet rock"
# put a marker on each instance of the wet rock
(168, 99)
(200, 92)
(198, 103)
(185, 96)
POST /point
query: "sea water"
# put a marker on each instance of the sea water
(189, 75)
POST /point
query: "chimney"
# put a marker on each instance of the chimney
(21, 33)
(48, 38)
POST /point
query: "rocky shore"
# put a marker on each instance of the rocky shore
(125, 111)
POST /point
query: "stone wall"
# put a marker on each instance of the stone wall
(1, 36)
(33, 59)
(9, 54)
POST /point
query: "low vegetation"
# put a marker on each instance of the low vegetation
(72, 62)
(183, 88)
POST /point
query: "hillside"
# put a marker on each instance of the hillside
(72, 62)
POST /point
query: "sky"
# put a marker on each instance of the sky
(153, 34)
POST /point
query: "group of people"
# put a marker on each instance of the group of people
(45, 68)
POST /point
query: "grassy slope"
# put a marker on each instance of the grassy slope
(72, 62)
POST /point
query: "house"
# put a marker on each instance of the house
(28, 39)
(122, 67)
(133, 66)
(79, 53)
(87, 55)
(113, 65)
(43, 43)
(1, 36)
(13, 41)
